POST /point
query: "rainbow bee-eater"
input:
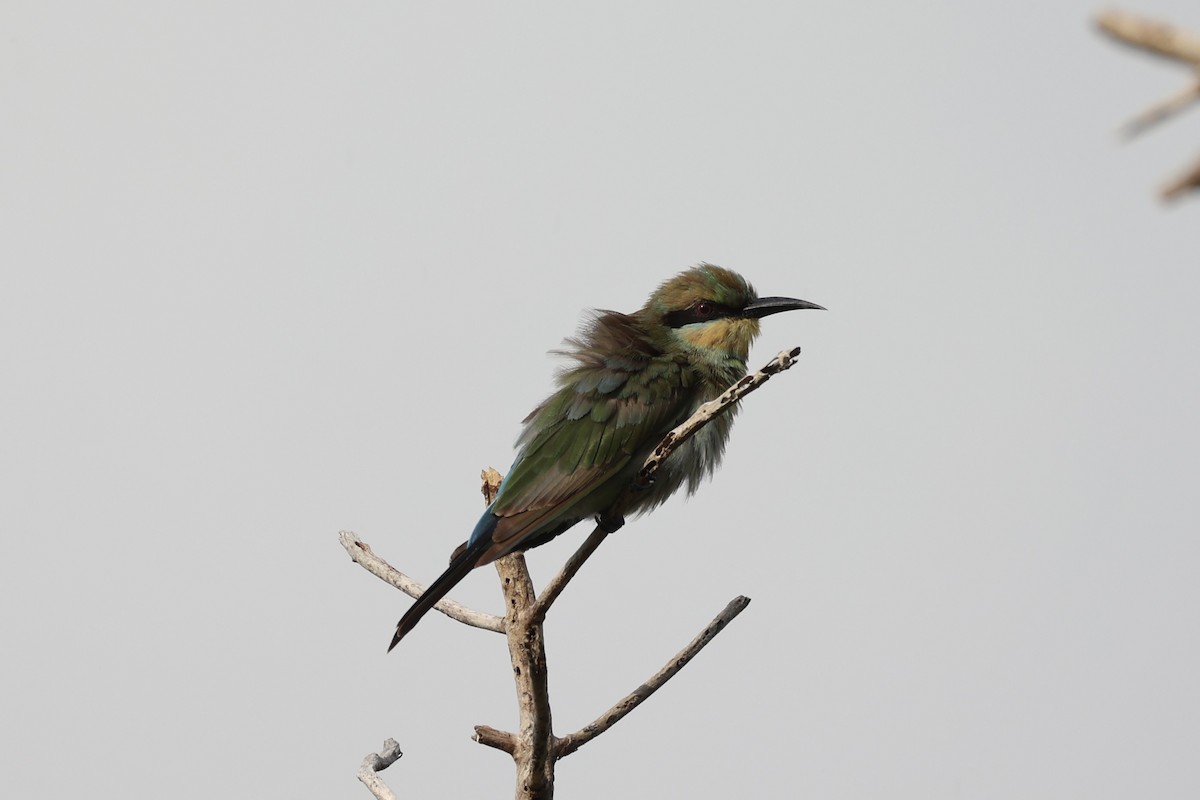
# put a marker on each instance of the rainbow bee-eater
(634, 378)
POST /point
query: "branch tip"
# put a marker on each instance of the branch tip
(573, 741)
(374, 763)
(360, 553)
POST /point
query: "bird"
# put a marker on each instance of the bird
(634, 377)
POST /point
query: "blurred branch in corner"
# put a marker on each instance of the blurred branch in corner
(1168, 41)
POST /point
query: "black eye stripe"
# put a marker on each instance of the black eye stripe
(690, 315)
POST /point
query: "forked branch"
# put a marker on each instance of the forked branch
(534, 747)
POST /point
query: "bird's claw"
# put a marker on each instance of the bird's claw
(610, 523)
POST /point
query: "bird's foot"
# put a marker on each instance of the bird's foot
(610, 523)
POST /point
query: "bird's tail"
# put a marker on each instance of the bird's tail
(463, 561)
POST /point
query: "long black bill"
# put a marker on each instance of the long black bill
(766, 306)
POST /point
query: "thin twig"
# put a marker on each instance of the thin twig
(645, 476)
(361, 553)
(1161, 111)
(1151, 35)
(375, 763)
(1188, 180)
(707, 412)
(573, 741)
(559, 582)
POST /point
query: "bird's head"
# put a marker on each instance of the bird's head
(712, 313)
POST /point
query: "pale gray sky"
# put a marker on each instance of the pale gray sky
(273, 270)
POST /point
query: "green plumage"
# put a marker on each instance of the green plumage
(581, 447)
(634, 378)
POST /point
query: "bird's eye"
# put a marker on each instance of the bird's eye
(695, 313)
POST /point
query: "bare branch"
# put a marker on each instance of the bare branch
(1188, 180)
(527, 651)
(710, 410)
(670, 443)
(572, 742)
(1161, 111)
(375, 763)
(361, 553)
(1173, 42)
(1151, 35)
(559, 582)
(501, 740)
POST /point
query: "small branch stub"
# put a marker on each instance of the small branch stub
(501, 740)
(491, 484)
